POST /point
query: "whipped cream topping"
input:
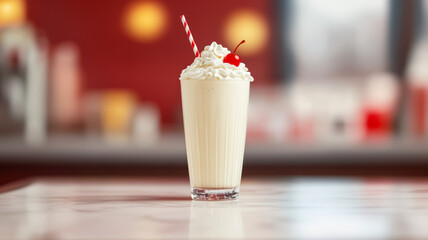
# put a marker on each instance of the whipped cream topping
(210, 66)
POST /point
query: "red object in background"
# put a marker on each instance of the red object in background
(13, 59)
(377, 122)
(302, 130)
(110, 59)
(418, 108)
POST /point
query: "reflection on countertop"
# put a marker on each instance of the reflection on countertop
(148, 208)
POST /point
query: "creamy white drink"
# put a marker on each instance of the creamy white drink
(215, 102)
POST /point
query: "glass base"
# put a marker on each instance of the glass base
(215, 194)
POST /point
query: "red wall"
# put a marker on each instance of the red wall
(110, 59)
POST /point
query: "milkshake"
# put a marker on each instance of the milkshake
(215, 101)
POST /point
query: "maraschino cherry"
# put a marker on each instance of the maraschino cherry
(232, 58)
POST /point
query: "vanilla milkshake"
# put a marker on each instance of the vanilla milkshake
(215, 102)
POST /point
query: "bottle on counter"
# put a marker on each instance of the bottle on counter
(379, 106)
(416, 120)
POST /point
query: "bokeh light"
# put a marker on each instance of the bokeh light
(249, 25)
(145, 21)
(11, 12)
(116, 113)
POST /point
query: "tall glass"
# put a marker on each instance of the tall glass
(215, 123)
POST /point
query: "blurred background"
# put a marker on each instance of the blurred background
(91, 87)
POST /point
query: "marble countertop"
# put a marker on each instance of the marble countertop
(269, 208)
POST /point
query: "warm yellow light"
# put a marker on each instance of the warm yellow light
(246, 25)
(11, 12)
(145, 20)
(116, 111)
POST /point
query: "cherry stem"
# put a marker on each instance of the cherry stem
(238, 46)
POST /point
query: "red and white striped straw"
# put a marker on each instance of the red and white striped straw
(189, 35)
